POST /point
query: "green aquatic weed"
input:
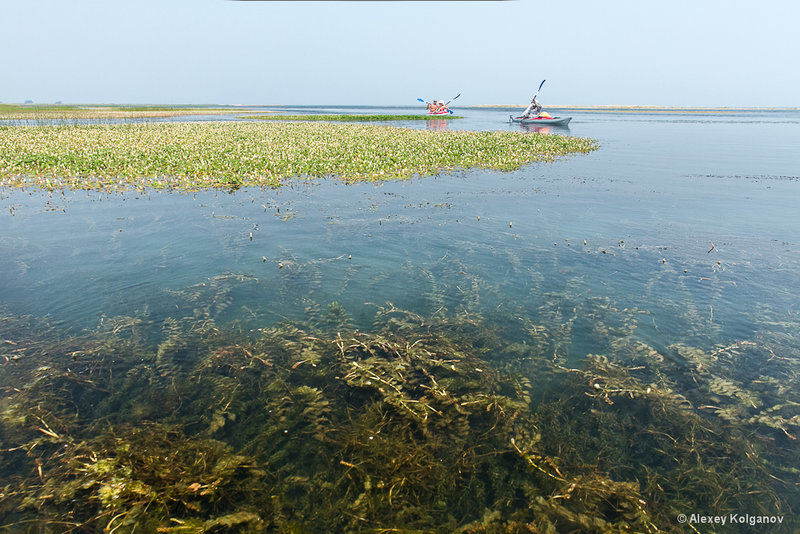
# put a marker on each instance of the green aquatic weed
(230, 155)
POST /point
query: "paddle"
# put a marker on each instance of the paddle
(448, 102)
(426, 103)
(449, 110)
(539, 89)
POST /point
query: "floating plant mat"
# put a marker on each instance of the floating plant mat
(443, 423)
(190, 156)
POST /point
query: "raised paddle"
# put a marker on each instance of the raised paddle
(448, 102)
(450, 111)
(459, 94)
(534, 98)
(539, 89)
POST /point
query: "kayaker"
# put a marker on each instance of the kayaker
(432, 107)
(533, 110)
(442, 106)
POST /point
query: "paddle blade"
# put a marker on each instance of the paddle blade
(421, 100)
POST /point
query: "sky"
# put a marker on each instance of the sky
(629, 52)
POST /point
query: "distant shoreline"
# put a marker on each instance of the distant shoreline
(192, 109)
(648, 109)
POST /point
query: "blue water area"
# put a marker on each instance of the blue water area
(690, 216)
(640, 300)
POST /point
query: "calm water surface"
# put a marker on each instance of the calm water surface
(689, 221)
(662, 189)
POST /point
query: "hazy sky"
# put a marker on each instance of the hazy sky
(592, 52)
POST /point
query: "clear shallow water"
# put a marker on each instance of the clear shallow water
(686, 222)
(649, 204)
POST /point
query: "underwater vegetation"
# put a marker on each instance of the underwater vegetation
(420, 423)
(191, 156)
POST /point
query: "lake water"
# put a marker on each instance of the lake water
(683, 229)
(662, 189)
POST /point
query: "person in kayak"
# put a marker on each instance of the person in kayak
(443, 106)
(533, 110)
(432, 107)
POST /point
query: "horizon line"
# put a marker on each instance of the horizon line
(561, 106)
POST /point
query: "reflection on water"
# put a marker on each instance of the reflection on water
(562, 130)
(437, 124)
(593, 345)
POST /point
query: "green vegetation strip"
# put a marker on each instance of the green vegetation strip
(64, 112)
(354, 118)
(201, 155)
(7, 110)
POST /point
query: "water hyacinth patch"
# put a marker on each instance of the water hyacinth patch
(221, 154)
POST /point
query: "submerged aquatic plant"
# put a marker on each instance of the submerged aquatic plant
(422, 424)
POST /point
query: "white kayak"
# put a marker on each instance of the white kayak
(553, 121)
